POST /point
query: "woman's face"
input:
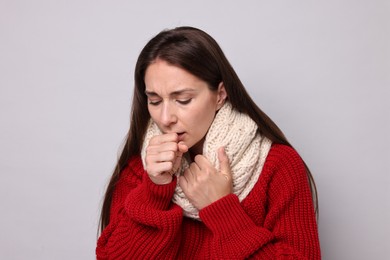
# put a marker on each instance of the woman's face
(181, 103)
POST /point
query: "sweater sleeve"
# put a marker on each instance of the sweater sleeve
(144, 223)
(288, 229)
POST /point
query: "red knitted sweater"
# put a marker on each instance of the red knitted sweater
(275, 221)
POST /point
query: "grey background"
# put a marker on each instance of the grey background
(320, 69)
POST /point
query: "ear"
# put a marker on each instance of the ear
(222, 95)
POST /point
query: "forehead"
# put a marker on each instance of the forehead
(161, 76)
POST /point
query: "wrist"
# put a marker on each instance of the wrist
(225, 216)
(159, 195)
(163, 179)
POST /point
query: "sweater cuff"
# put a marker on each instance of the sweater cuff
(158, 196)
(226, 216)
(151, 204)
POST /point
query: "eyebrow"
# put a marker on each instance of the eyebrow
(174, 93)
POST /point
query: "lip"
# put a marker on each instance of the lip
(181, 136)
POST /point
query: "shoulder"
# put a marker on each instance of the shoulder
(284, 168)
(282, 156)
(135, 164)
(133, 172)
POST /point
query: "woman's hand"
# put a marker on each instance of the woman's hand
(163, 157)
(203, 184)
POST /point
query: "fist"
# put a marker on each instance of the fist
(163, 157)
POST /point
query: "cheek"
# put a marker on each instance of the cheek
(152, 114)
(202, 119)
(155, 115)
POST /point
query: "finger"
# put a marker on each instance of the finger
(159, 139)
(158, 148)
(194, 169)
(183, 148)
(182, 183)
(202, 162)
(224, 162)
(189, 175)
(177, 161)
(159, 168)
(168, 156)
(152, 159)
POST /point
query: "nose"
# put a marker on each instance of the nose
(168, 114)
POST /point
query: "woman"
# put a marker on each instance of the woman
(204, 173)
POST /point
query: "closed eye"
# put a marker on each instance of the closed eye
(154, 103)
(184, 102)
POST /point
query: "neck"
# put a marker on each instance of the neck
(196, 149)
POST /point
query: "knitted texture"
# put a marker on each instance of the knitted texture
(244, 146)
(275, 221)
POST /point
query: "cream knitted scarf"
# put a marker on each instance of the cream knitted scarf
(244, 146)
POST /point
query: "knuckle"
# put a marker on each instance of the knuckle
(171, 155)
(153, 140)
(202, 178)
(150, 171)
(192, 167)
(208, 172)
(197, 158)
(149, 149)
(169, 165)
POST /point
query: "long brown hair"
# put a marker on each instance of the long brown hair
(198, 53)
